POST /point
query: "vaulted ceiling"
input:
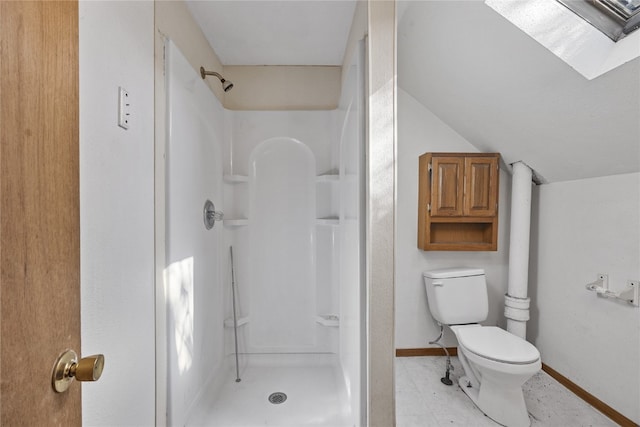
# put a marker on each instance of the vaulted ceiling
(476, 71)
(504, 92)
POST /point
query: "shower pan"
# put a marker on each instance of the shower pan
(279, 335)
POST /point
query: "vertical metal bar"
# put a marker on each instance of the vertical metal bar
(235, 318)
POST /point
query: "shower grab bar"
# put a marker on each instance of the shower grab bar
(235, 317)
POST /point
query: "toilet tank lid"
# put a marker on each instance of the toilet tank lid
(447, 273)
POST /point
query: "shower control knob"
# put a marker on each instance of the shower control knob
(211, 215)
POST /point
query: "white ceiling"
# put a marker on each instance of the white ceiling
(264, 32)
(504, 92)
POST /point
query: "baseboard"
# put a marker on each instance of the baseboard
(607, 410)
(432, 351)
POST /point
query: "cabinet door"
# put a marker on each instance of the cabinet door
(481, 186)
(446, 186)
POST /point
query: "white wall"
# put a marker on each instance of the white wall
(580, 229)
(116, 211)
(193, 274)
(420, 131)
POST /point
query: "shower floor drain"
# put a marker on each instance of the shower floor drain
(277, 398)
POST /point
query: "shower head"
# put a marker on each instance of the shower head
(226, 84)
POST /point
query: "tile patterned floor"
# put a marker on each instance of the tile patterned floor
(422, 400)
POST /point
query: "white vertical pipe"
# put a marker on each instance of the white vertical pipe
(516, 301)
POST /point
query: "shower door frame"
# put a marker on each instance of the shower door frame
(160, 188)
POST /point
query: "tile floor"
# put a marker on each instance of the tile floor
(423, 401)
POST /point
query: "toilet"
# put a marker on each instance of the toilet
(496, 363)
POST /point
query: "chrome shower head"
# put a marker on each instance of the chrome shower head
(226, 84)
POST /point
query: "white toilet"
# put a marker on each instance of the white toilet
(496, 363)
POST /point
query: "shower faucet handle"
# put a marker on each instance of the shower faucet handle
(211, 215)
(216, 215)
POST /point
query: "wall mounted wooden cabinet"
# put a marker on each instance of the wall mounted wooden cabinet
(458, 202)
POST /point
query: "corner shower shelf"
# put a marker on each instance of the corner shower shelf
(239, 222)
(331, 320)
(328, 178)
(332, 221)
(234, 179)
(228, 323)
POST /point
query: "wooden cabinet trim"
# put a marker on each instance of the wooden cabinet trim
(485, 204)
(447, 176)
(464, 218)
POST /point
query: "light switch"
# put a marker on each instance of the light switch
(124, 108)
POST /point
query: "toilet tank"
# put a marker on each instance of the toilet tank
(457, 295)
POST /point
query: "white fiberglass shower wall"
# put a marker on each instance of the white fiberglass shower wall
(192, 276)
(291, 186)
(282, 181)
(282, 207)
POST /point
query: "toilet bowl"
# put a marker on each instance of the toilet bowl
(496, 363)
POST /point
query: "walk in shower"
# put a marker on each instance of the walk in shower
(291, 187)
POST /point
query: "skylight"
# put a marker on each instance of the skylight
(615, 18)
(570, 37)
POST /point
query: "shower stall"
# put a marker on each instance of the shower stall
(290, 185)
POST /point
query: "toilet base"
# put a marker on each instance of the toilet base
(506, 407)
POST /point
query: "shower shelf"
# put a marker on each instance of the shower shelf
(328, 221)
(331, 320)
(239, 222)
(234, 179)
(228, 323)
(327, 178)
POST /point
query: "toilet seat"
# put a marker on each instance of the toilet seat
(496, 344)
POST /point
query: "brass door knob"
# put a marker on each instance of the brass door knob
(68, 367)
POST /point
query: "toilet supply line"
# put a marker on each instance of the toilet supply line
(448, 367)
